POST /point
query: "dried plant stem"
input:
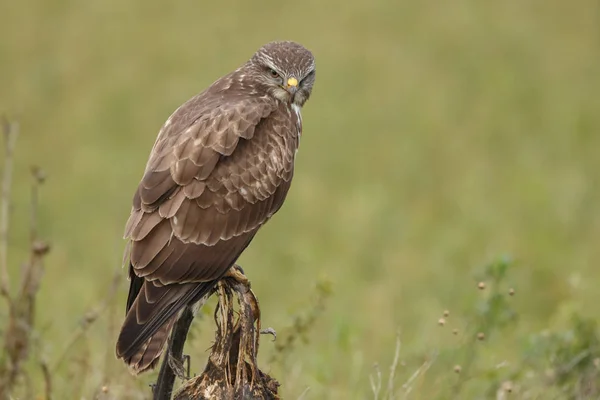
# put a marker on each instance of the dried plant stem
(419, 372)
(392, 377)
(11, 131)
(47, 380)
(19, 330)
(375, 381)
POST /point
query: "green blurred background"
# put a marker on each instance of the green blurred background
(440, 135)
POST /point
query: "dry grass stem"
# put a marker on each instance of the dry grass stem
(390, 388)
(408, 385)
(11, 132)
(19, 333)
(376, 381)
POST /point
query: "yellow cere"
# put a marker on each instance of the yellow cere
(292, 82)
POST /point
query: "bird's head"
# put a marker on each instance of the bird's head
(285, 70)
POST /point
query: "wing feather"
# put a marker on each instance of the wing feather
(146, 224)
(169, 208)
(143, 251)
(194, 189)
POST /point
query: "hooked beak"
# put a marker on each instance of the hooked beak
(291, 85)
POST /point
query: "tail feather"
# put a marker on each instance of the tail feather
(151, 314)
(149, 353)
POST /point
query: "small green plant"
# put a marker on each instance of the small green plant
(459, 366)
(565, 363)
(561, 364)
(493, 313)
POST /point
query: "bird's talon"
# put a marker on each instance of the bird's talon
(237, 274)
(239, 268)
(177, 367)
(187, 360)
(269, 331)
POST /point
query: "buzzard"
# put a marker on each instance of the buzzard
(221, 166)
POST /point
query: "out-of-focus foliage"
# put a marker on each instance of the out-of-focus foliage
(439, 136)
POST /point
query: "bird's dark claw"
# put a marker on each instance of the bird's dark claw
(178, 366)
(269, 331)
(187, 360)
(237, 274)
(239, 268)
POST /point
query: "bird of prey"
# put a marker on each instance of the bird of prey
(221, 166)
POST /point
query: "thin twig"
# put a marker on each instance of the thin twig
(420, 371)
(304, 393)
(390, 388)
(32, 271)
(20, 334)
(166, 377)
(11, 131)
(47, 379)
(376, 383)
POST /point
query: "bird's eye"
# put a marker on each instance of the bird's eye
(273, 73)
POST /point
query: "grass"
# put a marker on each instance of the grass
(440, 136)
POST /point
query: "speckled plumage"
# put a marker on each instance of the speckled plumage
(220, 168)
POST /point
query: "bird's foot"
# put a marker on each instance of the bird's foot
(237, 274)
(181, 368)
(269, 331)
(239, 268)
(187, 360)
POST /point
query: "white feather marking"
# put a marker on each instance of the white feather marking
(276, 159)
(296, 109)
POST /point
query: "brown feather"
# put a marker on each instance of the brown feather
(134, 219)
(194, 189)
(205, 200)
(143, 251)
(145, 225)
(166, 253)
(183, 171)
(170, 206)
(150, 351)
